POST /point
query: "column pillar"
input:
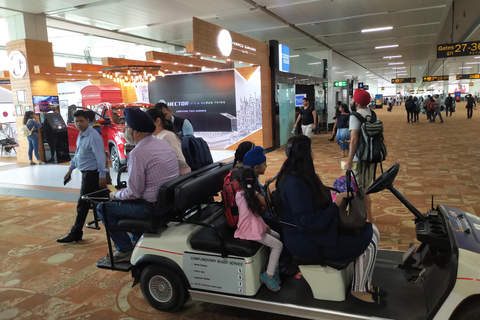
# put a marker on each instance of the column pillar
(32, 69)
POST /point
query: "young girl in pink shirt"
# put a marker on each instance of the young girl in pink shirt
(252, 227)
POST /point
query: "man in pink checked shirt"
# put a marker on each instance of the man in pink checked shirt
(150, 164)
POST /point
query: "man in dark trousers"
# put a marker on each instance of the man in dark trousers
(90, 160)
(449, 104)
(182, 126)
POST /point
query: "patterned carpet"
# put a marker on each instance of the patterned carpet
(42, 279)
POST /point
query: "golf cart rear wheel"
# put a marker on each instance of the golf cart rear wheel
(162, 288)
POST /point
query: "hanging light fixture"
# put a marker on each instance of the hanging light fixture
(133, 75)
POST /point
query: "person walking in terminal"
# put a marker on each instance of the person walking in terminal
(250, 226)
(449, 105)
(470, 105)
(365, 172)
(89, 158)
(438, 108)
(165, 132)
(33, 140)
(150, 164)
(308, 115)
(343, 134)
(337, 114)
(181, 125)
(410, 107)
(307, 203)
(431, 109)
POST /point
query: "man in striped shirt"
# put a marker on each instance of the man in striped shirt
(150, 164)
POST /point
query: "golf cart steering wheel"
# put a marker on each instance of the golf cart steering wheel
(385, 180)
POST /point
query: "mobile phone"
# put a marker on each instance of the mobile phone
(343, 163)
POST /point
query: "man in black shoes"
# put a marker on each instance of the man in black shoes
(90, 160)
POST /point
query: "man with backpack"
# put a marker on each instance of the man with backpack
(449, 104)
(410, 107)
(182, 126)
(367, 146)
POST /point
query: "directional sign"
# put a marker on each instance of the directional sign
(404, 80)
(434, 78)
(340, 84)
(468, 76)
(460, 49)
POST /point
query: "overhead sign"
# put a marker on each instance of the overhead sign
(460, 49)
(340, 84)
(284, 58)
(366, 87)
(360, 85)
(382, 88)
(468, 76)
(434, 78)
(216, 41)
(471, 84)
(404, 80)
(325, 84)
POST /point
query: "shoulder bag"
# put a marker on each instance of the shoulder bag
(352, 210)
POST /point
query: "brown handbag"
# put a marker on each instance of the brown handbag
(353, 209)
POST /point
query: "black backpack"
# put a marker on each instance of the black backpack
(371, 147)
(196, 152)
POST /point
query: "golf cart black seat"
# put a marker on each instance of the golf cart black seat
(167, 209)
(210, 239)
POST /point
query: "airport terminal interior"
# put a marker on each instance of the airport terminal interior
(81, 53)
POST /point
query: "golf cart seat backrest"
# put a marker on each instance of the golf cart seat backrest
(166, 204)
(218, 238)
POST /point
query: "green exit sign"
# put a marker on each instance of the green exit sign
(340, 84)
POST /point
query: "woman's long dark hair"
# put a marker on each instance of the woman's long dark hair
(247, 180)
(300, 163)
(28, 115)
(157, 113)
(241, 151)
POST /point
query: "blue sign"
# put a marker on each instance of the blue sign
(284, 58)
(299, 99)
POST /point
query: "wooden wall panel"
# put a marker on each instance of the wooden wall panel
(37, 53)
(266, 107)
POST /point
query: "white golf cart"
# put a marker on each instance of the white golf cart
(196, 256)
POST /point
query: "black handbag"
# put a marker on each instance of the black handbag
(353, 209)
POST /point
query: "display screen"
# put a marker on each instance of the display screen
(201, 98)
(299, 99)
(462, 88)
(458, 49)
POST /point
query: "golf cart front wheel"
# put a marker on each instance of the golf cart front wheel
(162, 288)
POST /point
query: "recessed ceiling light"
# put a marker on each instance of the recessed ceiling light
(175, 63)
(392, 57)
(396, 68)
(294, 56)
(69, 74)
(198, 53)
(133, 28)
(377, 29)
(472, 63)
(385, 47)
(464, 67)
(190, 65)
(395, 63)
(79, 70)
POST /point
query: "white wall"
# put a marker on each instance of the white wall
(69, 93)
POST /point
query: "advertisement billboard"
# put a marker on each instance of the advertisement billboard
(462, 88)
(198, 97)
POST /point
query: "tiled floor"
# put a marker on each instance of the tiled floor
(41, 279)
